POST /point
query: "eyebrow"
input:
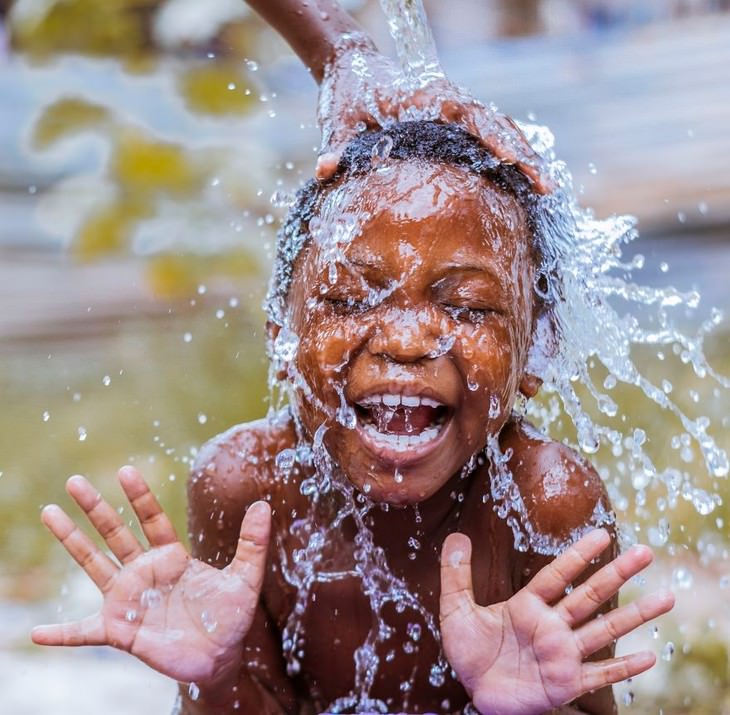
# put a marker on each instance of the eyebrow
(472, 268)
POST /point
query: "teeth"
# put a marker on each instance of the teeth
(395, 400)
(401, 442)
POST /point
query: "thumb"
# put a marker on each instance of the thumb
(249, 561)
(457, 593)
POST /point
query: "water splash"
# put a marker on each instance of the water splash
(416, 49)
(596, 318)
(318, 561)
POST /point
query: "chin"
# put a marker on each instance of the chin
(415, 486)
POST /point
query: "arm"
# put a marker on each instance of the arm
(530, 654)
(536, 470)
(159, 603)
(218, 496)
(548, 648)
(313, 28)
(359, 87)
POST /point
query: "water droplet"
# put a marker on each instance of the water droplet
(668, 651)
(46, 415)
(187, 337)
(106, 381)
(592, 168)
(380, 152)
(282, 199)
(286, 459)
(150, 598)
(436, 677)
(193, 691)
(252, 65)
(82, 434)
(130, 616)
(209, 623)
(202, 418)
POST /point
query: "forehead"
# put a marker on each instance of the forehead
(437, 211)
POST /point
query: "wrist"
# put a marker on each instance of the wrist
(218, 690)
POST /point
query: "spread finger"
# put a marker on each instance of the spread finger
(583, 601)
(99, 567)
(603, 631)
(105, 519)
(155, 524)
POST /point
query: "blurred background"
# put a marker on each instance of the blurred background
(145, 147)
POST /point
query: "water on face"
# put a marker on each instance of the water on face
(596, 319)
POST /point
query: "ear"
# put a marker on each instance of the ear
(272, 332)
(529, 385)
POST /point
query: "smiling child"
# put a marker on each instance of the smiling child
(402, 311)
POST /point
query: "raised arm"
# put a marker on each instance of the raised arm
(313, 28)
(361, 88)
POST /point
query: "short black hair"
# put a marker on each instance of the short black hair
(420, 140)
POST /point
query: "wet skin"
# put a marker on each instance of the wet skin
(424, 350)
(449, 255)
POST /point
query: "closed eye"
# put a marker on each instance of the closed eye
(470, 314)
(345, 306)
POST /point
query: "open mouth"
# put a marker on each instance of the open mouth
(396, 425)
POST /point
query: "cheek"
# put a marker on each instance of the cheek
(490, 359)
(327, 346)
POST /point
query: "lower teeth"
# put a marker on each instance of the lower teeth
(402, 442)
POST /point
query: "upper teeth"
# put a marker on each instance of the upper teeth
(395, 400)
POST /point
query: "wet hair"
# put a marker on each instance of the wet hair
(429, 141)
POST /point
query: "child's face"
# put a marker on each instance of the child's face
(419, 323)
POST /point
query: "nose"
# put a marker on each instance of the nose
(406, 335)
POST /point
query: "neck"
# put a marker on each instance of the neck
(434, 517)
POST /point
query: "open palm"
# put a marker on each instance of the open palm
(527, 654)
(182, 617)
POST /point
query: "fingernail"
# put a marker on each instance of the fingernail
(258, 509)
(455, 558)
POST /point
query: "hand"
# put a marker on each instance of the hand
(362, 89)
(526, 655)
(182, 617)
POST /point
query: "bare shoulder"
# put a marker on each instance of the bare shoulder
(231, 471)
(561, 489)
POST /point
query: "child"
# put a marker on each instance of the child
(402, 309)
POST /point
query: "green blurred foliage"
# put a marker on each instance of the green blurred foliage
(214, 88)
(118, 28)
(149, 393)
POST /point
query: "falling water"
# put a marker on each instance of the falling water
(413, 41)
(583, 280)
